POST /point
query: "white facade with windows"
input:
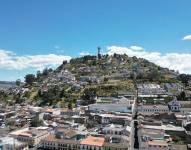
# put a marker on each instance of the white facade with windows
(150, 109)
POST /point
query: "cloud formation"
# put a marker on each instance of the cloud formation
(187, 37)
(84, 53)
(136, 48)
(176, 61)
(9, 60)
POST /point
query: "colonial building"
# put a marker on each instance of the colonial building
(174, 105)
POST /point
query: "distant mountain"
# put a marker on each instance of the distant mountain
(7, 84)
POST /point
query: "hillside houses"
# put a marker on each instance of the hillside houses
(86, 69)
(173, 88)
(150, 91)
(66, 76)
(90, 79)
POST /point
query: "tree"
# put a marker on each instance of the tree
(105, 79)
(89, 96)
(50, 70)
(45, 72)
(38, 74)
(154, 75)
(64, 62)
(184, 78)
(182, 96)
(30, 78)
(18, 82)
(70, 105)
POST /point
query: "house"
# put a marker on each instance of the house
(9, 143)
(7, 114)
(52, 143)
(92, 79)
(152, 138)
(116, 130)
(116, 119)
(70, 112)
(174, 105)
(79, 119)
(179, 147)
(152, 109)
(117, 142)
(173, 88)
(91, 143)
(65, 75)
(150, 91)
(63, 133)
(157, 145)
(112, 107)
(49, 111)
(32, 136)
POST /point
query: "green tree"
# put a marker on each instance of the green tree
(182, 96)
(45, 72)
(105, 79)
(18, 82)
(30, 78)
(38, 75)
(184, 78)
(70, 105)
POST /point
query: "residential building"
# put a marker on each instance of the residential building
(32, 136)
(10, 143)
(91, 143)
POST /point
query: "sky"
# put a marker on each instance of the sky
(39, 33)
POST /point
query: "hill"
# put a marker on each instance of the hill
(87, 77)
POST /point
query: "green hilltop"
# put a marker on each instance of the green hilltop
(85, 78)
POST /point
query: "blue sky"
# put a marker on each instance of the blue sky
(69, 27)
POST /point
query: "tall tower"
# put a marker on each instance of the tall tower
(98, 52)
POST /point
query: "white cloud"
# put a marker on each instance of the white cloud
(84, 53)
(136, 48)
(9, 60)
(175, 61)
(188, 37)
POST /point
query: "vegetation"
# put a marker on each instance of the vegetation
(116, 73)
(184, 78)
(30, 78)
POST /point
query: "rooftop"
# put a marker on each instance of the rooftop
(165, 127)
(116, 116)
(178, 147)
(159, 143)
(95, 141)
(52, 138)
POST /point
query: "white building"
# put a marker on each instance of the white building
(151, 109)
(174, 105)
(9, 143)
(32, 136)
